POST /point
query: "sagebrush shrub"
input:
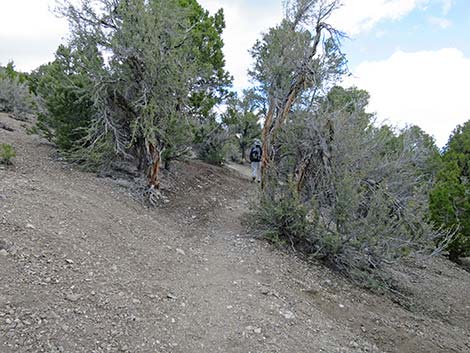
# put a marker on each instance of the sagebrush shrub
(15, 98)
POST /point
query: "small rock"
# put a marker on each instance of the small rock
(3, 252)
(181, 252)
(8, 321)
(70, 262)
(30, 226)
(72, 297)
(136, 301)
(52, 315)
(341, 306)
(289, 315)
(257, 330)
(3, 244)
(171, 296)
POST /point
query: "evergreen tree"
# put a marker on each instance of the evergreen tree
(66, 94)
(242, 119)
(136, 81)
(450, 198)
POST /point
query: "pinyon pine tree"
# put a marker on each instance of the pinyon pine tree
(450, 198)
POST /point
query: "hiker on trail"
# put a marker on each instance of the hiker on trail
(255, 158)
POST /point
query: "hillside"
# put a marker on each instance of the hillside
(85, 267)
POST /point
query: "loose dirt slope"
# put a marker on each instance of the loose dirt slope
(86, 268)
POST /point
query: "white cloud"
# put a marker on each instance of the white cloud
(357, 16)
(440, 22)
(29, 32)
(446, 6)
(245, 21)
(426, 88)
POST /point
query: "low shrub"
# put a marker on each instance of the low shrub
(7, 153)
(15, 98)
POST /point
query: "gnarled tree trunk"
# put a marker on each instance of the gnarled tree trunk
(155, 154)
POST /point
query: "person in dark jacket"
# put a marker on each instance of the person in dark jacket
(256, 153)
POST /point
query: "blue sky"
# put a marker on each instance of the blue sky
(413, 56)
(413, 32)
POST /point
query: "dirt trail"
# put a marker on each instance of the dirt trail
(85, 268)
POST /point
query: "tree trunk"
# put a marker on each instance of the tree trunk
(265, 158)
(154, 171)
(273, 124)
(301, 171)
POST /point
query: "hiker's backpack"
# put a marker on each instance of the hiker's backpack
(255, 154)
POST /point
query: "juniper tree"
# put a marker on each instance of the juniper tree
(295, 61)
(161, 72)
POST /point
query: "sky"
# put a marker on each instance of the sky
(413, 56)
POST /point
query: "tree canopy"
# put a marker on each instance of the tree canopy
(450, 198)
(139, 76)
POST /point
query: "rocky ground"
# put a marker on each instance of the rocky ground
(85, 267)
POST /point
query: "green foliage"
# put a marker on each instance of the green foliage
(9, 73)
(65, 90)
(450, 198)
(231, 152)
(212, 154)
(207, 49)
(210, 141)
(242, 121)
(283, 218)
(7, 153)
(163, 74)
(362, 201)
(362, 189)
(287, 53)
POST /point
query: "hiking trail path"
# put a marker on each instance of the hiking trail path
(85, 267)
